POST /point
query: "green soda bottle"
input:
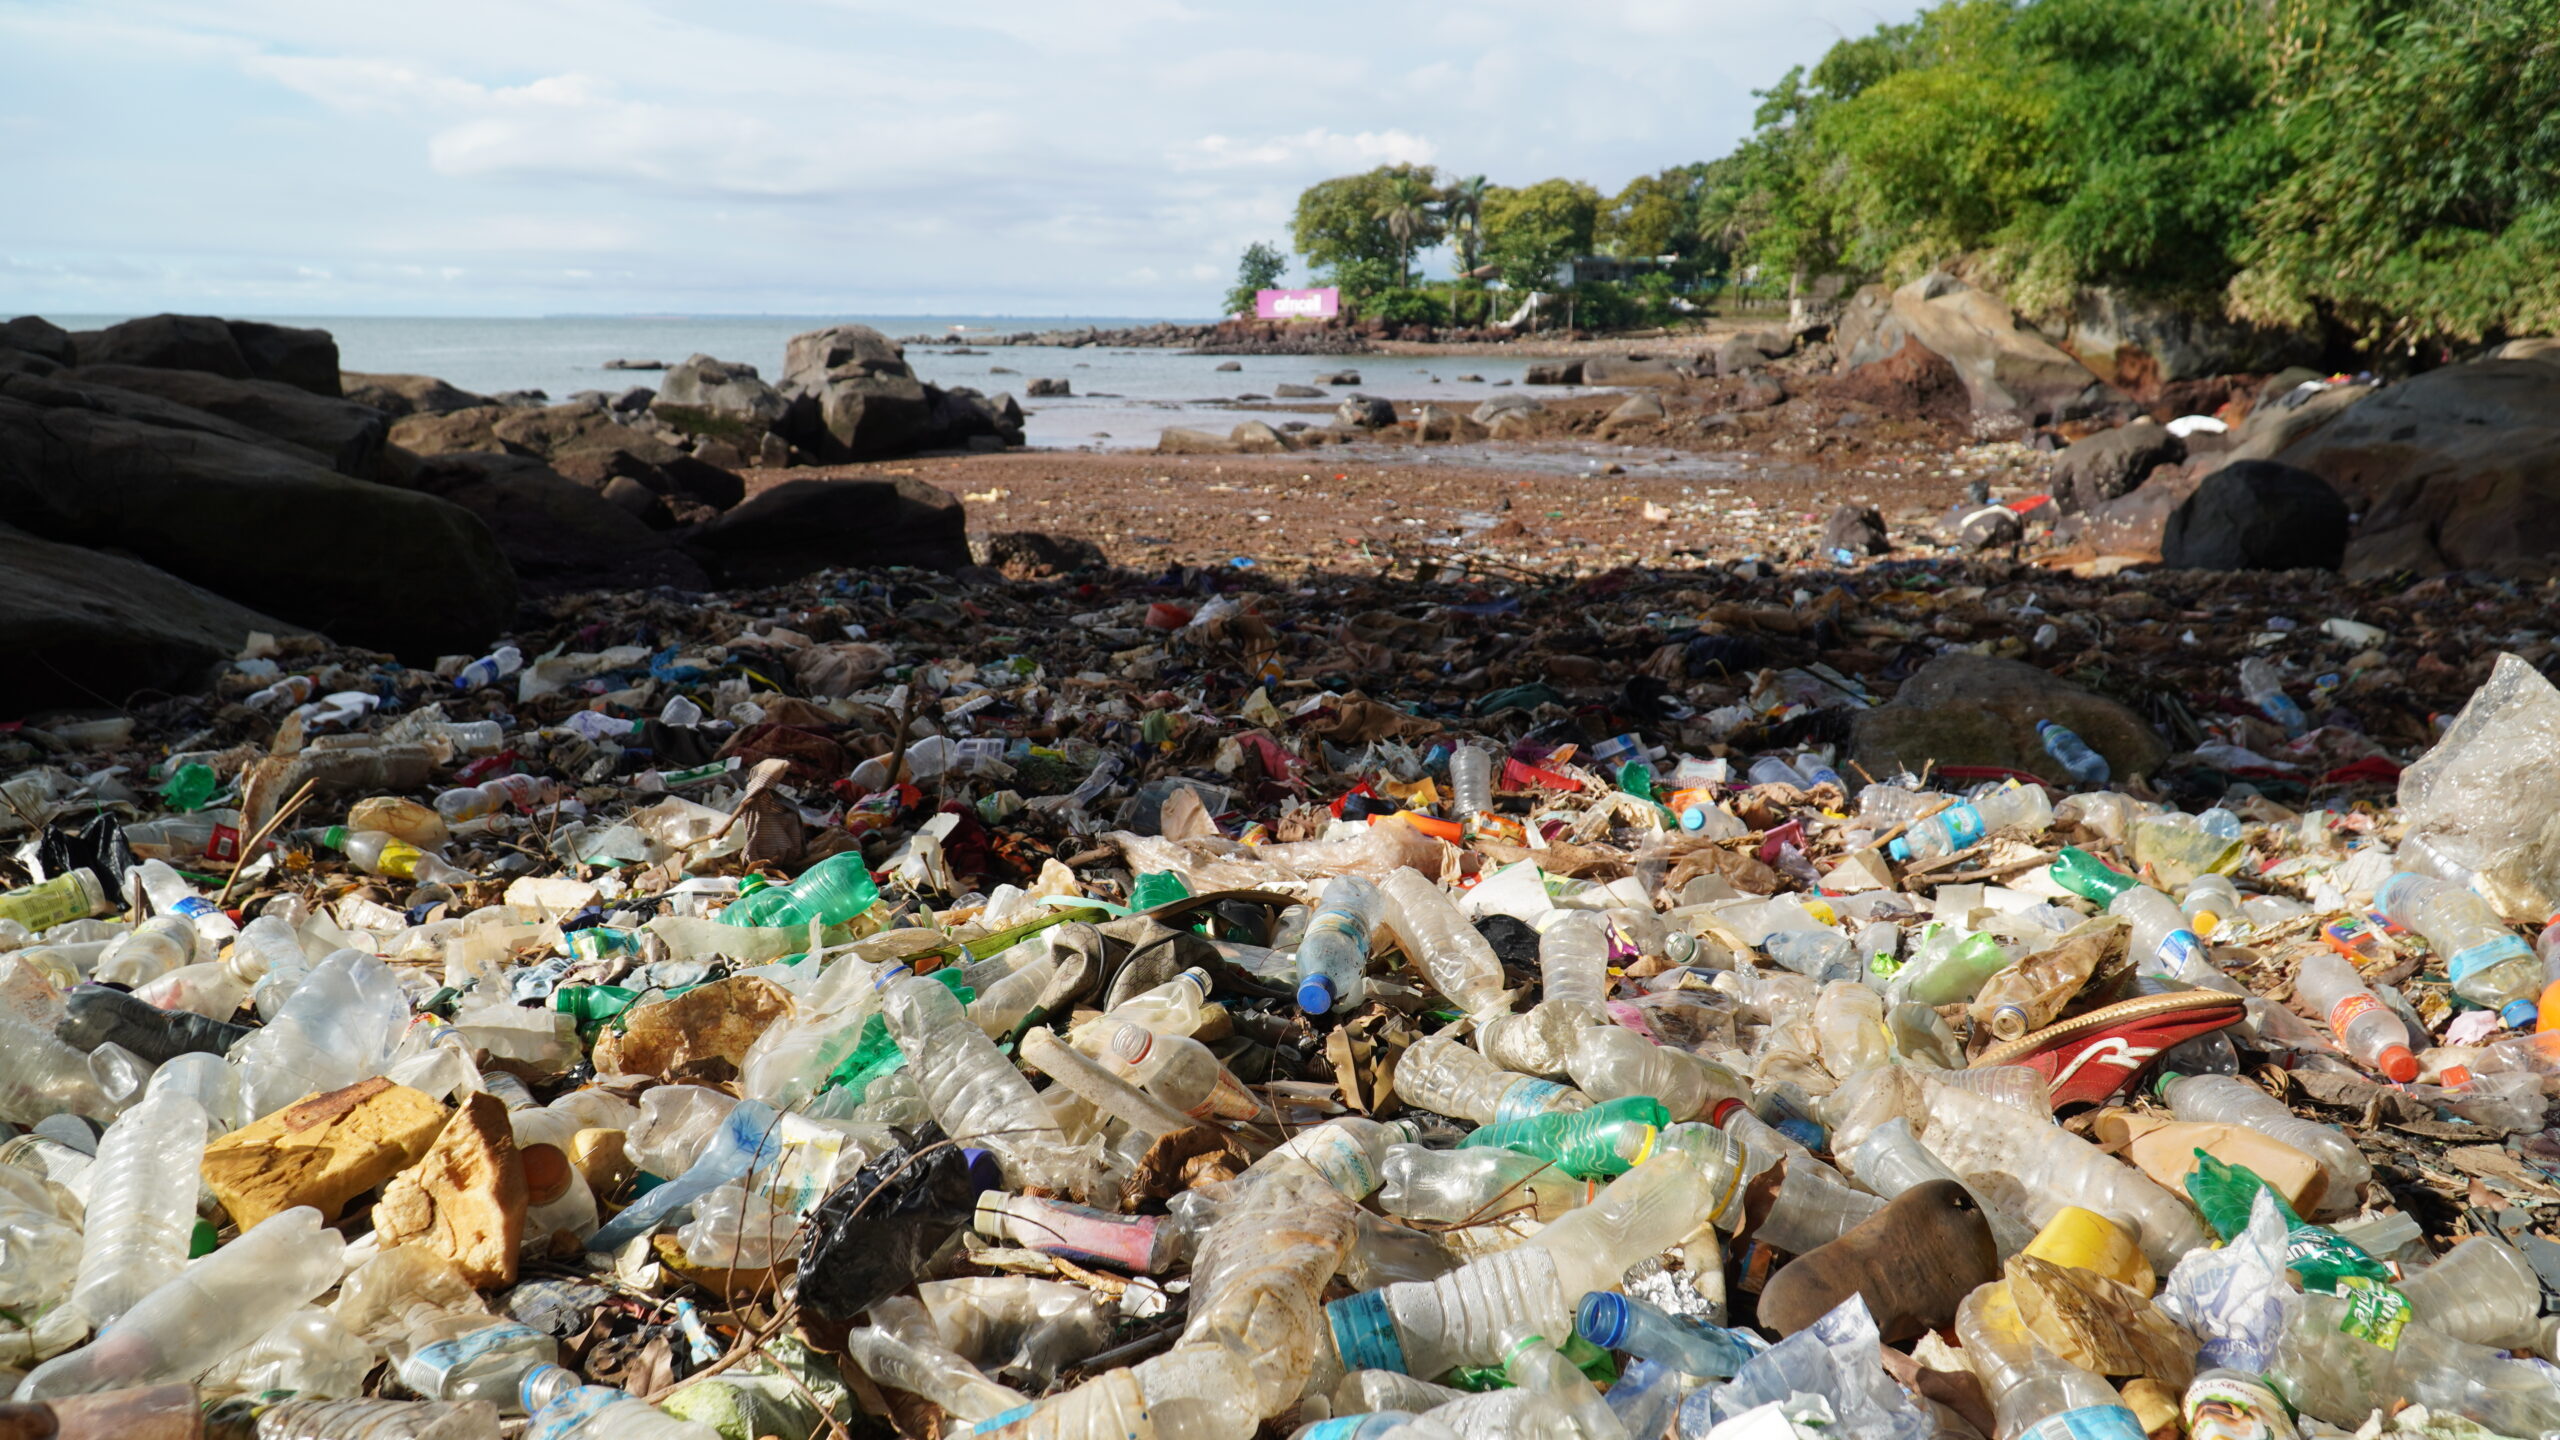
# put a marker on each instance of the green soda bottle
(1157, 887)
(831, 892)
(1608, 1139)
(2089, 877)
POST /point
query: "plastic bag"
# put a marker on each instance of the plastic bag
(2504, 746)
(1839, 1359)
(858, 1253)
(2327, 1261)
(2237, 1296)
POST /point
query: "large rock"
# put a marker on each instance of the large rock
(815, 359)
(349, 435)
(1365, 412)
(558, 535)
(2139, 344)
(238, 349)
(59, 390)
(321, 1151)
(2008, 368)
(38, 336)
(1176, 440)
(81, 626)
(552, 431)
(804, 525)
(1554, 372)
(1527, 405)
(1968, 709)
(720, 386)
(1618, 370)
(1911, 383)
(2457, 469)
(397, 395)
(453, 432)
(2112, 462)
(1636, 412)
(2258, 515)
(466, 1197)
(2284, 419)
(2133, 524)
(365, 563)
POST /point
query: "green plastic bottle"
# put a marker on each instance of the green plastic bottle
(2089, 877)
(1607, 1139)
(1157, 887)
(190, 787)
(831, 892)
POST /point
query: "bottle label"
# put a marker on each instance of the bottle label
(195, 907)
(2376, 1313)
(437, 1362)
(2348, 1011)
(1527, 1099)
(1001, 1419)
(1964, 825)
(1339, 1158)
(2089, 1422)
(2463, 964)
(2235, 1407)
(562, 1417)
(1364, 1334)
(797, 1162)
(2180, 953)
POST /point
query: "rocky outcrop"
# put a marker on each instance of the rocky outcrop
(2258, 515)
(366, 563)
(37, 336)
(2139, 345)
(2456, 469)
(1621, 370)
(1967, 709)
(1911, 383)
(1749, 351)
(853, 397)
(235, 349)
(557, 534)
(81, 627)
(347, 435)
(2112, 462)
(398, 395)
(804, 525)
(720, 386)
(451, 432)
(2008, 369)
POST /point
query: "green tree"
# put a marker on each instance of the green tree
(1660, 214)
(1260, 269)
(1462, 213)
(1340, 219)
(1409, 207)
(1536, 228)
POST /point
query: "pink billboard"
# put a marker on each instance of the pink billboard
(1321, 304)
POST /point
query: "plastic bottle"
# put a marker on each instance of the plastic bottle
(974, 1093)
(1951, 973)
(489, 1363)
(470, 802)
(2161, 943)
(1333, 959)
(75, 895)
(1616, 1322)
(1891, 1160)
(1573, 965)
(1179, 1006)
(2209, 901)
(339, 1026)
(1531, 1362)
(2489, 964)
(1004, 1003)
(154, 948)
(142, 1205)
(2482, 1292)
(1441, 1075)
(832, 892)
(1880, 807)
(489, 669)
(2332, 990)
(1097, 1085)
(2228, 1100)
(2034, 1394)
(41, 1076)
(391, 857)
(212, 1308)
(1458, 961)
(2045, 1168)
(564, 1409)
(1470, 781)
(172, 895)
(1139, 1244)
(2073, 754)
(2265, 689)
(1610, 1061)
(1610, 1138)
(375, 1420)
(2020, 807)
(1449, 1187)
(1429, 1327)
(1182, 1073)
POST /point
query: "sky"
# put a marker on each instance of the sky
(1018, 157)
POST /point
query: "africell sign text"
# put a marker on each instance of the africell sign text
(1321, 304)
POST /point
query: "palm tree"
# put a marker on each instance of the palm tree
(1462, 207)
(1405, 206)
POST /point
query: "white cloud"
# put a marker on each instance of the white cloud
(1318, 147)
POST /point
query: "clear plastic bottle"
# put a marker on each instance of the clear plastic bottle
(2489, 964)
(223, 1302)
(2482, 1292)
(142, 1205)
(1470, 781)
(1099, 1086)
(1539, 1041)
(208, 989)
(2228, 1100)
(2035, 1394)
(1182, 1073)
(1573, 964)
(1610, 1061)
(488, 1363)
(1441, 1075)
(301, 1419)
(2073, 754)
(1177, 1007)
(2210, 901)
(2010, 807)
(391, 857)
(1616, 1322)
(1349, 1151)
(1449, 952)
(1430, 1327)
(470, 802)
(2265, 689)
(2041, 1168)
(2161, 944)
(1819, 954)
(1849, 1026)
(1950, 973)
(1531, 1362)
(489, 669)
(172, 895)
(1880, 807)
(41, 1076)
(1333, 958)
(1813, 1207)
(154, 948)
(564, 1409)
(339, 1026)
(1001, 1006)
(2332, 990)
(1450, 1187)
(975, 1094)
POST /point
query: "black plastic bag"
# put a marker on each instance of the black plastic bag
(96, 844)
(97, 1014)
(861, 1253)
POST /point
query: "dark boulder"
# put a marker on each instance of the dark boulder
(2258, 515)
(1555, 372)
(84, 628)
(1856, 529)
(802, 526)
(2113, 462)
(238, 349)
(397, 395)
(38, 336)
(560, 536)
(348, 435)
(1968, 709)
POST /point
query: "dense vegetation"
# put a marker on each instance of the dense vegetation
(2384, 172)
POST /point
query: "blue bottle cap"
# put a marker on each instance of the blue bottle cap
(984, 1173)
(2519, 1014)
(1315, 994)
(1899, 849)
(1602, 1319)
(1694, 817)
